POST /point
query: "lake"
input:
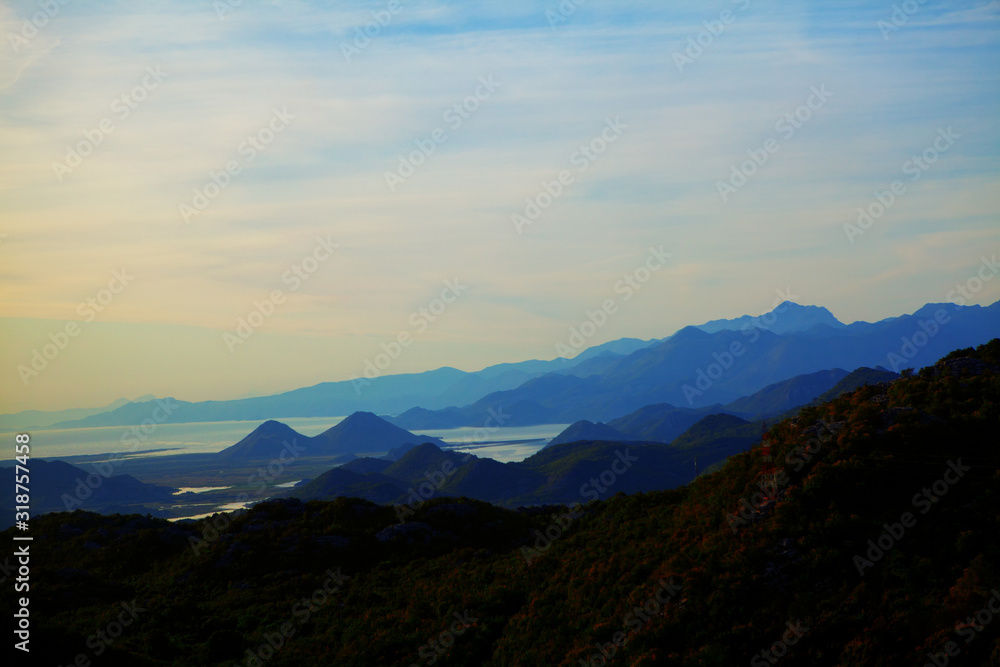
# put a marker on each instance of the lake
(503, 444)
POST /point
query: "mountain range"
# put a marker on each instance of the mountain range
(787, 317)
(57, 486)
(694, 368)
(714, 363)
(673, 444)
(563, 474)
(360, 433)
(664, 422)
(28, 420)
(877, 547)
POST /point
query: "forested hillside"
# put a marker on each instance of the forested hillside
(879, 548)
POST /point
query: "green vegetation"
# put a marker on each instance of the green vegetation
(857, 378)
(850, 467)
(790, 394)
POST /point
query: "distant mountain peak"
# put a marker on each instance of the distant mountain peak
(362, 417)
(367, 432)
(266, 441)
(588, 430)
(791, 306)
(787, 317)
(272, 426)
(689, 332)
(792, 316)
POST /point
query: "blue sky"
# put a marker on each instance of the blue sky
(323, 176)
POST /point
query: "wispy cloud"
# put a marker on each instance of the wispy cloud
(324, 174)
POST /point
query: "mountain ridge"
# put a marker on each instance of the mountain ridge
(694, 368)
(359, 433)
(785, 317)
(458, 398)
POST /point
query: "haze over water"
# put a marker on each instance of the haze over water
(210, 437)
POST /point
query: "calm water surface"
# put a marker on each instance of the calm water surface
(504, 444)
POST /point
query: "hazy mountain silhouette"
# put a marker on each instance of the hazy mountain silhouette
(856, 378)
(267, 441)
(27, 420)
(585, 430)
(57, 486)
(386, 394)
(664, 422)
(833, 556)
(787, 317)
(661, 422)
(396, 452)
(360, 433)
(561, 474)
(717, 437)
(694, 368)
(364, 432)
(782, 396)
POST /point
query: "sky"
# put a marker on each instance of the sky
(212, 200)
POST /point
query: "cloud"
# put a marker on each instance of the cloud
(354, 120)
